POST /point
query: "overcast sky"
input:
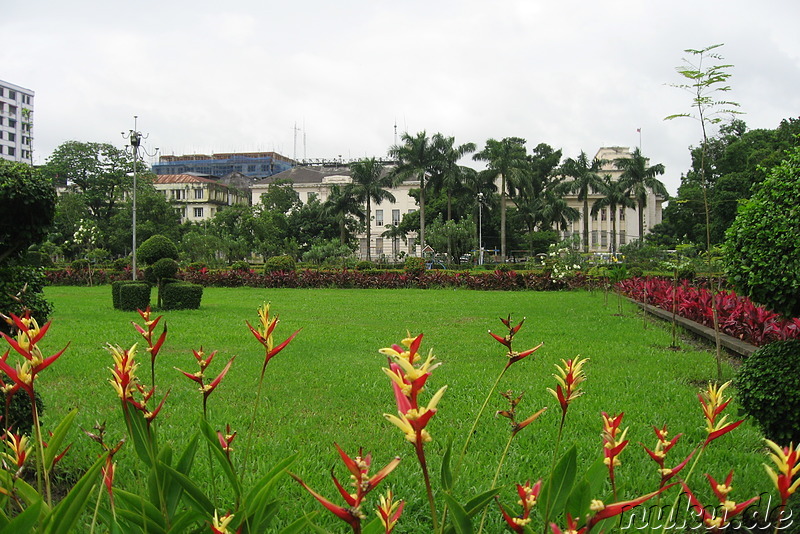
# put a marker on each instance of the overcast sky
(208, 77)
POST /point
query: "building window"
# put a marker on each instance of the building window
(251, 168)
(378, 246)
(378, 217)
(198, 194)
(12, 137)
(622, 237)
(594, 238)
(603, 214)
(12, 123)
(12, 151)
(396, 217)
(603, 238)
(12, 94)
(622, 214)
(412, 245)
(594, 216)
(198, 213)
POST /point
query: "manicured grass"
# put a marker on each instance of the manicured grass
(327, 386)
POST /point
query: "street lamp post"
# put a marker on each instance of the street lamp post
(135, 137)
(480, 228)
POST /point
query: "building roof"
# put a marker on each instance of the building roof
(182, 179)
(307, 175)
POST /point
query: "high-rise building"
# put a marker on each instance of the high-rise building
(16, 122)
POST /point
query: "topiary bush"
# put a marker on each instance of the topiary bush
(769, 390)
(364, 265)
(181, 296)
(240, 265)
(79, 265)
(156, 248)
(279, 263)
(134, 296)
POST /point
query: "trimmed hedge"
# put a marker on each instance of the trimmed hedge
(181, 296)
(279, 263)
(134, 296)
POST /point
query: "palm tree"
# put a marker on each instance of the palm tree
(508, 160)
(448, 174)
(585, 180)
(639, 179)
(614, 195)
(416, 159)
(369, 183)
(341, 205)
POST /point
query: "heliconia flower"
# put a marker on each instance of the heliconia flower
(569, 379)
(147, 333)
(528, 496)
(786, 460)
(225, 440)
(659, 454)
(389, 511)
(19, 449)
(507, 340)
(409, 353)
(109, 469)
(604, 511)
(412, 421)
(511, 413)
(219, 525)
(142, 405)
(713, 521)
(352, 514)
(613, 443)
(25, 343)
(572, 527)
(264, 334)
(124, 371)
(713, 404)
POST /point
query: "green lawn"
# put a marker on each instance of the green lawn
(327, 386)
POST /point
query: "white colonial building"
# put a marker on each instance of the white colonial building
(627, 221)
(16, 122)
(315, 181)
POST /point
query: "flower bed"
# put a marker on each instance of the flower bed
(738, 316)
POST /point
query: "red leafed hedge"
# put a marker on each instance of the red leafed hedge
(738, 316)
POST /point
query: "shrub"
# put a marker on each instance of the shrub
(364, 265)
(155, 248)
(195, 266)
(181, 296)
(414, 266)
(686, 272)
(762, 248)
(635, 272)
(164, 268)
(134, 296)
(279, 263)
(79, 265)
(503, 268)
(121, 264)
(771, 394)
(18, 415)
(240, 265)
(28, 283)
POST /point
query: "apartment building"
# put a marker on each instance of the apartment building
(16, 122)
(254, 165)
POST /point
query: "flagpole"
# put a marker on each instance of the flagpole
(640, 139)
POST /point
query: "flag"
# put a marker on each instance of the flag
(638, 130)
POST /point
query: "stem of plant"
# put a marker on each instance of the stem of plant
(477, 418)
(424, 465)
(497, 476)
(41, 469)
(552, 468)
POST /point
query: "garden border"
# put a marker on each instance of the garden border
(731, 343)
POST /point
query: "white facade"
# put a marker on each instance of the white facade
(627, 220)
(16, 122)
(316, 181)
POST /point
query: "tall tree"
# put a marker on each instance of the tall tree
(585, 180)
(100, 172)
(614, 195)
(342, 205)
(370, 184)
(416, 158)
(639, 178)
(506, 159)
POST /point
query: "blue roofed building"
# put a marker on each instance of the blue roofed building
(254, 165)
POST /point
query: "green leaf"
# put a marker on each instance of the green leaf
(139, 511)
(373, 527)
(579, 500)
(302, 524)
(447, 473)
(25, 521)
(480, 501)
(174, 491)
(197, 498)
(459, 515)
(65, 515)
(258, 499)
(182, 521)
(55, 441)
(556, 490)
(139, 434)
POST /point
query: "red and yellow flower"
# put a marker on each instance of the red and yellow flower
(569, 378)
